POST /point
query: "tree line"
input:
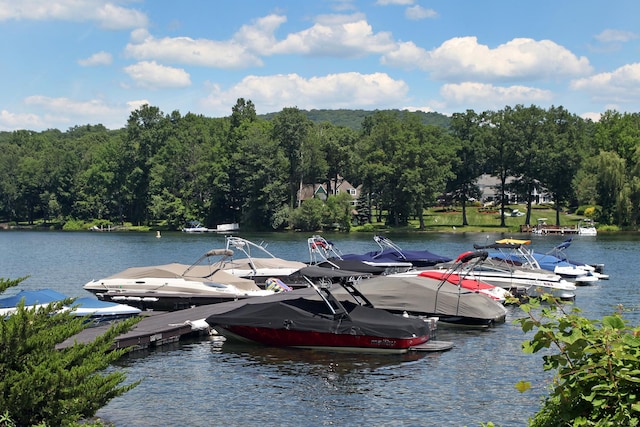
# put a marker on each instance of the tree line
(167, 169)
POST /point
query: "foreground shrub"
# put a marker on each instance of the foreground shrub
(597, 382)
(40, 384)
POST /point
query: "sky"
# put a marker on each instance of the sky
(66, 63)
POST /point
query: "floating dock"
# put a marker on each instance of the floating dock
(155, 329)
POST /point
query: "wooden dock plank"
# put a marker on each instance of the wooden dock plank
(156, 328)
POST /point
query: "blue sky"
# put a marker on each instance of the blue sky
(73, 62)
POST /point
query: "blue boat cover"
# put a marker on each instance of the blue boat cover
(41, 296)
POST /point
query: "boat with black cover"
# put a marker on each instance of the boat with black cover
(314, 318)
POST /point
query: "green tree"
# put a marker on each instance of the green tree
(502, 146)
(42, 384)
(291, 130)
(146, 133)
(610, 181)
(560, 157)
(470, 159)
(309, 216)
(261, 169)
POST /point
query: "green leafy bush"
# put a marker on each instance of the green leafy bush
(597, 362)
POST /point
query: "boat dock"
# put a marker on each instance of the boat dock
(155, 329)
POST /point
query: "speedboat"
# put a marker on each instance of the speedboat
(315, 318)
(258, 264)
(512, 253)
(557, 259)
(458, 273)
(517, 281)
(419, 258)
(90, 307)
(421, 295)
(587, 227)
(550, 262)
(195, 227)
(323, 253)
(176, 286)
(394, 259)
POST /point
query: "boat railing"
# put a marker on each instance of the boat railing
(321, 250)
(386, 243)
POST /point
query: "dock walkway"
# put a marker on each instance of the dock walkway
(157, 328)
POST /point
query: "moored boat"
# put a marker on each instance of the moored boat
(513, 253)
(315, 318)
(258, 264)
(176, 286)
(90, 307)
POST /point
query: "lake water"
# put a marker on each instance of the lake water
(203, 382)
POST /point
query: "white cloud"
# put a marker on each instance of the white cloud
(152, 75)
(93, 107)
(185, 50)
(610, 36)
(489, 96)
(418, 12)
(345, 90)
(425, 109)
(621, 85)
(60, 113)
(595, 117)
(104, 12)
(463, 59)
(259, 36)
(336, 35)
(99, 58)
(12, 121)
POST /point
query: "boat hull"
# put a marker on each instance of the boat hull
(319, 340)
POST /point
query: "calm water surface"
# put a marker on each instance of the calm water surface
(204, 383)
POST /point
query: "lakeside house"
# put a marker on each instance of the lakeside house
(322, 190)
(490, 191)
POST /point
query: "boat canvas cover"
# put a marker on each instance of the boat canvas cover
(352, 265)
(42, 296)
(456, 279)
(304, 314)
(424, 258)
(425, 296)
(197, 273)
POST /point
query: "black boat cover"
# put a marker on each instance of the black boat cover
(305, 314)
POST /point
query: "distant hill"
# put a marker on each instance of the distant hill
(353, 118)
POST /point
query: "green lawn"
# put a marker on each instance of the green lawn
(482, 219)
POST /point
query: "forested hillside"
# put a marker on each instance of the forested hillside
(166, 169)
(353, 119)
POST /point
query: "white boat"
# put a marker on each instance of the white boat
(195, 227)
(176, 286)
(512, 252)
(258, 264)
(587, 228)
(519, 282)
(460, 273)
(558, 260)
(90, 307)
(227, 228)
